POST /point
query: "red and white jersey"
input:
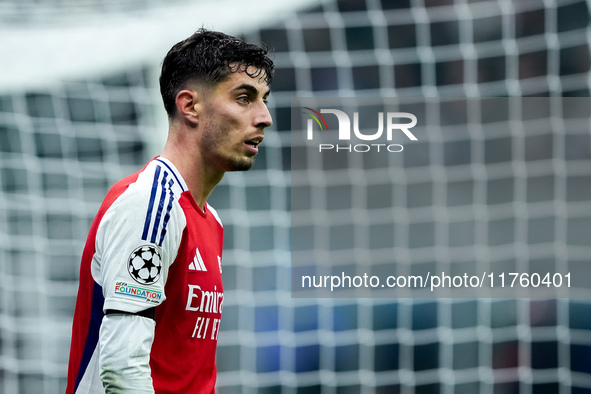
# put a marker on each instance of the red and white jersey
(151, 246)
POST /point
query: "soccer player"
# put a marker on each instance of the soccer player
(150, 297)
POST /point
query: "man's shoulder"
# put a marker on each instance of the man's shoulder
(154, 183)
(122, 186)
(145, 206)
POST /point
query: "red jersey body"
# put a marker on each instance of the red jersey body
(151, 248)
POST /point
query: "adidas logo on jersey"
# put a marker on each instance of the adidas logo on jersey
(197, 263)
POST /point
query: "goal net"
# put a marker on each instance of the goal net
(80, 109)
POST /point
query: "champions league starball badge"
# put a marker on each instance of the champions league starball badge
(145, 264)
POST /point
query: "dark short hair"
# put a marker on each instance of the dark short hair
(208, 57)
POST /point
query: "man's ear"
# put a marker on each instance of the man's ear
(188, 106)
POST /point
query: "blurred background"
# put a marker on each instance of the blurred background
(80, 109)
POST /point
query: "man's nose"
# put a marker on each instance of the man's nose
(263, 118)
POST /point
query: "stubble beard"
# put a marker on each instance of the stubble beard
(212, 142)
(243, 164)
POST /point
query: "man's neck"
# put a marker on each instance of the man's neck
(200, 178)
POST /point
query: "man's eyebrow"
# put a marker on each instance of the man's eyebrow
(251, 89)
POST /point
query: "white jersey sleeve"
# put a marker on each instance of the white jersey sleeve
(137, 241)
(127, 368)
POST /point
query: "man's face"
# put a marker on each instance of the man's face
(234, 121)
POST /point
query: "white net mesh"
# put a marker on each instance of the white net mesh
(62, 144)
